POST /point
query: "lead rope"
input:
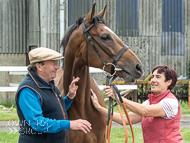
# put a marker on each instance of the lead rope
(110, 112)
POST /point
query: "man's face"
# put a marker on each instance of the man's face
(158, 84)
(48, 70)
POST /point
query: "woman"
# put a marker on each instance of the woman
(159, 115)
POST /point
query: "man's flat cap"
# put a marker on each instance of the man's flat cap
(43, 54)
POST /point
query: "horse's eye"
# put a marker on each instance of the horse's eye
(105, 37)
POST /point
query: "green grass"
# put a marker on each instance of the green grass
(184, 108)
(8, 104)
(185, 134)
(117, 135)
(8, 114)
(8, 137)
(12, 114)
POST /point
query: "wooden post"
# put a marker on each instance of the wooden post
(135, 96)
(8, 83)
(141, 88)
(147, 87)
(189, 94)
(147, 80)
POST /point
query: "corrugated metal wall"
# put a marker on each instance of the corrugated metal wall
(76, 8)
(13, 26)
(127, 18)
(50, 24)
(29, 23)
(156, 30)
(44, 23)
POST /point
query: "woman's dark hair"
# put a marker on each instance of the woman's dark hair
(33, 66)
(169, 74)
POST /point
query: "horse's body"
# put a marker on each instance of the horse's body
(75, 65)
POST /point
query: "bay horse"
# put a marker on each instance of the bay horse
(77, 62)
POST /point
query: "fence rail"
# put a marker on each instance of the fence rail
(22, 70)
(180, 94)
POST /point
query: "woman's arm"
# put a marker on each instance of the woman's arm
(116, 116)
(142, 110)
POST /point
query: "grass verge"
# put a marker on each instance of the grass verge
(117, 135)
(8, 111)
(8, 114)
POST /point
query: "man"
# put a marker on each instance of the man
(41, 109)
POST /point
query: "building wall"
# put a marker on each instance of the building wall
(147, 44)
(31, 24)
(13, 26)
(26, 24)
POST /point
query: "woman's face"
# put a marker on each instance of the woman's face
(158, 83)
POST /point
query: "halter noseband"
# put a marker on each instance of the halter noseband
(90, 38)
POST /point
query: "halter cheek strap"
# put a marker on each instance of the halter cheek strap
(118, 56)
(86, 34)
(91, 39)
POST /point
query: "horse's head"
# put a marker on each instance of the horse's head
(92, 36)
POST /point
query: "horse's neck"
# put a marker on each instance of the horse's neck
(77, 69)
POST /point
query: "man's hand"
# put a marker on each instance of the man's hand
(73, 88)
(80, 124)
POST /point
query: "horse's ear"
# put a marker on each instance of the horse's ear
(90, 16)
(101, 13)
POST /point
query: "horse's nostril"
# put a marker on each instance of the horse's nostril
(139, 68)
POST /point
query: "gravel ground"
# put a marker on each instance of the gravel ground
(14, 125)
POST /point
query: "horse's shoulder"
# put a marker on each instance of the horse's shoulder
(59, 74)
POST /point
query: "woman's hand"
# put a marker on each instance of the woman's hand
(109, 92)
(95, 100)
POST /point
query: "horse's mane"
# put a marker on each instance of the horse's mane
(70, 29)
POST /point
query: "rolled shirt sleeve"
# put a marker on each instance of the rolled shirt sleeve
(170, 107)
(67, 102)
